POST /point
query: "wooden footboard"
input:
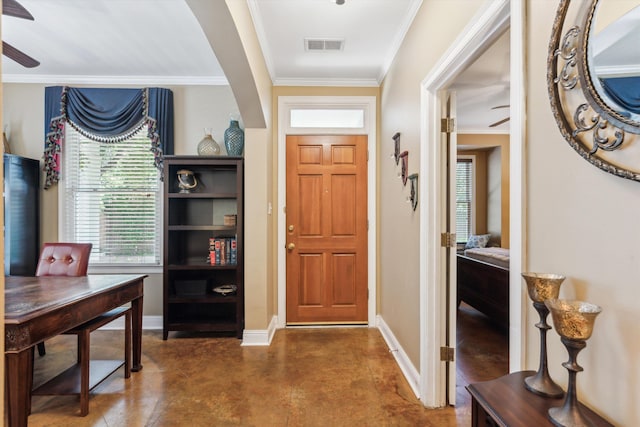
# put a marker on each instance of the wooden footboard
(485, 287)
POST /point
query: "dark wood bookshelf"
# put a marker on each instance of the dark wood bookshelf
(191, 219)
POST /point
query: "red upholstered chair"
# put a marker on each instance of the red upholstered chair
(72, 259)
(64, 259)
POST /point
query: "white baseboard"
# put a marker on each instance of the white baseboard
(250, 337)
(260, 337)
(407, 368)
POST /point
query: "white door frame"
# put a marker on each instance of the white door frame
(369, 105)
(497, 16)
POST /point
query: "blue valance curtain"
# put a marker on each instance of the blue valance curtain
(624, 91)
(106, 115)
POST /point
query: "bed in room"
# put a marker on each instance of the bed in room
(483, 282)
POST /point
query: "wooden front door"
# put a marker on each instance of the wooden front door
(326, 229)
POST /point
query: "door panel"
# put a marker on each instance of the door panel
(326, 229)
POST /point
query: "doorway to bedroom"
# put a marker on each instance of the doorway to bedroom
(482, 219)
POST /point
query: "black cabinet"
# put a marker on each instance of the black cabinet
(21, 215)
(203, 245)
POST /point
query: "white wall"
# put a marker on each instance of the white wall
(583, 223)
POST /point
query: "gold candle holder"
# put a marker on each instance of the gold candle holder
(574, 322)
(541, 287)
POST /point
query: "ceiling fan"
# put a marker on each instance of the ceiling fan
(15, 9)
(499, 122)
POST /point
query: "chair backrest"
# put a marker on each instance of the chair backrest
(64, 259)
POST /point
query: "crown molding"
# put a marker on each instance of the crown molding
(414, 7)
(116, 80)
(292, 81)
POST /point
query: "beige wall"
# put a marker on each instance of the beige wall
(497, 177)
(260, 284)
(583, 223)
(436, 26)
(196, 108)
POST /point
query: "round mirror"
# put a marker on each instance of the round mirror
(594, 81)
(613, 56)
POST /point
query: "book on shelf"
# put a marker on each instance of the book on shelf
(233, 251)
(223, 251)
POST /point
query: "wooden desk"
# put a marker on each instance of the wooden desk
(505, 402)
(39, 308)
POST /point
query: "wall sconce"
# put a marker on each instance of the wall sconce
(396, 149)
(405, 166)
(413, 198)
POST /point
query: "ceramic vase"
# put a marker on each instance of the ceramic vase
(234, 139)
(208, 146)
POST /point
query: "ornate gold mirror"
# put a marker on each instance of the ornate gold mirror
(594, 81)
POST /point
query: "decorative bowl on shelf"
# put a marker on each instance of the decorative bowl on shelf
(225, 290)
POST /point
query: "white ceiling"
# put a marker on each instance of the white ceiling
(161, 42)
(110, 41)
(372, 31)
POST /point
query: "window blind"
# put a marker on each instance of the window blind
(112, 199)
(464, 198)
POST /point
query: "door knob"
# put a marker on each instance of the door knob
(291, 246)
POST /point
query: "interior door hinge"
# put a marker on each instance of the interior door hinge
(447, 125)
(448, 240)
(446, 354)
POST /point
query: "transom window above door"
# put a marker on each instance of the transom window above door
(326, 118)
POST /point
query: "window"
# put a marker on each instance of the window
(327, 118)
(112, 198)
(464, 199)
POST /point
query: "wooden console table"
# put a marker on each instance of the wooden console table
(39, 308)
(505, 402)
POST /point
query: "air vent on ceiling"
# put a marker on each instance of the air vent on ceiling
(319, 45)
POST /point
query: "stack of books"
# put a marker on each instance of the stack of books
(223, 251)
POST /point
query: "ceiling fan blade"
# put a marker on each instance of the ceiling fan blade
(500, 106)
(499, 122)
(13, 8)
(18, 56)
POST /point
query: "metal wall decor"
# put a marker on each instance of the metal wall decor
(396, 149)
(404, 156)
(592, 120)
(413, 197)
